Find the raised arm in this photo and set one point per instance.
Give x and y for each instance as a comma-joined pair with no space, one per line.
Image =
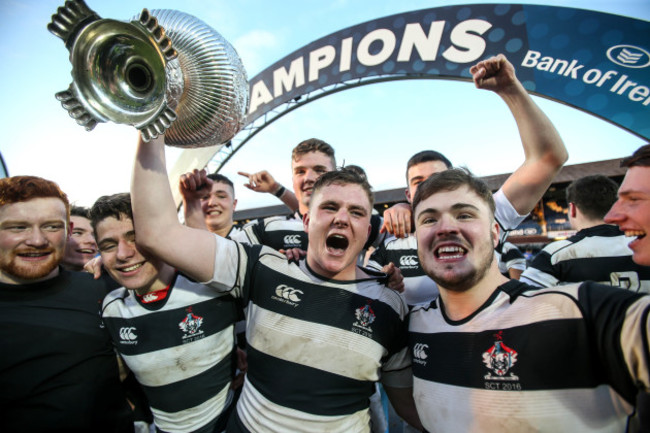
262,181
193,186
157,227
543,147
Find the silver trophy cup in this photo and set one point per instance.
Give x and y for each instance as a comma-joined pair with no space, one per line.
164,72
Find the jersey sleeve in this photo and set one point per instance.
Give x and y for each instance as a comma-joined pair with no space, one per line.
506,215
231,263
541,272
621,328
254,232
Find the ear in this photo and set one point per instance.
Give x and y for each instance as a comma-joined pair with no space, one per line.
495,234
70,227
407,193
305,222
572,210
234,204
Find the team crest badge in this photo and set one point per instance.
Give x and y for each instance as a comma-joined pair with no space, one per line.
191,324
499,359
365,316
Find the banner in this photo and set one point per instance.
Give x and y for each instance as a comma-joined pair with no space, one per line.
593,61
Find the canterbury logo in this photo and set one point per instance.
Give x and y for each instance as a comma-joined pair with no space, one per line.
288,293
419,351
128,333
408,261
292,240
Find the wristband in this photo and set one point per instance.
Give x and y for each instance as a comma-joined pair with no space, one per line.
280,191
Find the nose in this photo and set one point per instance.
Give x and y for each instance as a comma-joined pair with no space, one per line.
125,250
341,218
88,239
311,175
447,224
37,238
614,215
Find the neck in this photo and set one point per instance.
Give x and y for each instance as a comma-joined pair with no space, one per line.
222,231
585,224
164,279
460,305
348,273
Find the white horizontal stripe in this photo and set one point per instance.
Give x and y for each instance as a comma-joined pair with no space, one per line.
193,418
449,409
177,363
316,345
260,415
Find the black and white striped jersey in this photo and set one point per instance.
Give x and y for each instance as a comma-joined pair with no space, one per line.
419,288
180,350
598,253
315,346
562,359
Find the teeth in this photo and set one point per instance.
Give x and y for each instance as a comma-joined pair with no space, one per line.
132,268
33,254
450,250
631,233
87,251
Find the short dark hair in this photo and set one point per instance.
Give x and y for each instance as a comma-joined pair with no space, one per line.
18,189
117,206
594,195
80,211
220,178
313,145
451,180
640,158
426,156
344,176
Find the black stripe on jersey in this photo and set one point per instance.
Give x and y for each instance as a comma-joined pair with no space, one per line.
192,391
605,308
543,352
313,303
154,331
304,388
597,269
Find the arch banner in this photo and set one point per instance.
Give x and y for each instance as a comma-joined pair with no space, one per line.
593,61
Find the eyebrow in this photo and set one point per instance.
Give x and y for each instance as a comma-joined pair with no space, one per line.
455,207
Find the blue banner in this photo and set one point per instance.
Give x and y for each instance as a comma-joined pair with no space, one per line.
593,61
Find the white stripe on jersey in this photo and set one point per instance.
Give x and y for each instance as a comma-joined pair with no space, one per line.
195,358
517,411
269,417
314,344
200,415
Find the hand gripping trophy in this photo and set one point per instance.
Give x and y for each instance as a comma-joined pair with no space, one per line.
163,72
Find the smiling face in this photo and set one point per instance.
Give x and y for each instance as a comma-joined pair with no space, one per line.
338,225
306,169
218,207
81,246
456,235
33,235
122,260
418,173
631,212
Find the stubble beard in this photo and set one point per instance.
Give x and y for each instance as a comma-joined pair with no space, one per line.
26,271
463,281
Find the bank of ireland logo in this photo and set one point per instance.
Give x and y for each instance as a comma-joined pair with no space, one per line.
499,359
420,353
287,295
408,262
291,241
629,56
191,324
128,335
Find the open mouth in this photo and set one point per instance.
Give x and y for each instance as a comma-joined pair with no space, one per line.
449,252
214,212
337,243
34,255
87,251
639,234
131,268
